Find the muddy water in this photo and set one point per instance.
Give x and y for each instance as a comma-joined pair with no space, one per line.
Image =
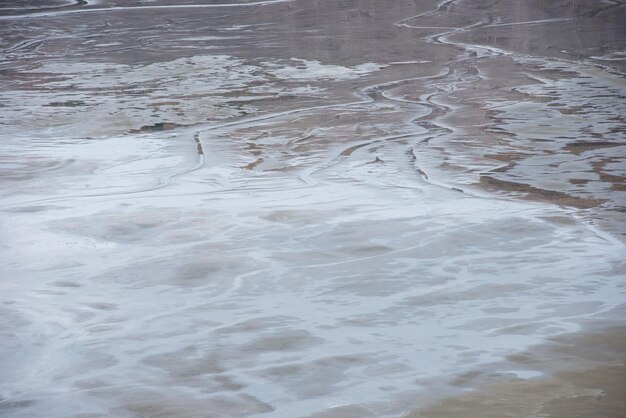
301,208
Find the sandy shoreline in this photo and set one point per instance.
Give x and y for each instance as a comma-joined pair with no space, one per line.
583,375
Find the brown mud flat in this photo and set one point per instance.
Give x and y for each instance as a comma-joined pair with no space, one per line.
251,164
537,194
587,378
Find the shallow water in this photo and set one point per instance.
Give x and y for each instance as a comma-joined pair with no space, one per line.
300,208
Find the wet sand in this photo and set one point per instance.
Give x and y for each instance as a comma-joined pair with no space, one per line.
583,375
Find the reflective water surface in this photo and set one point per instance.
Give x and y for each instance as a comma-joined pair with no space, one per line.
300,207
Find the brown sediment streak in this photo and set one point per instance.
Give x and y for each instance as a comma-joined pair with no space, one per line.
582,146
253,164
157,127
535,193
196,138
